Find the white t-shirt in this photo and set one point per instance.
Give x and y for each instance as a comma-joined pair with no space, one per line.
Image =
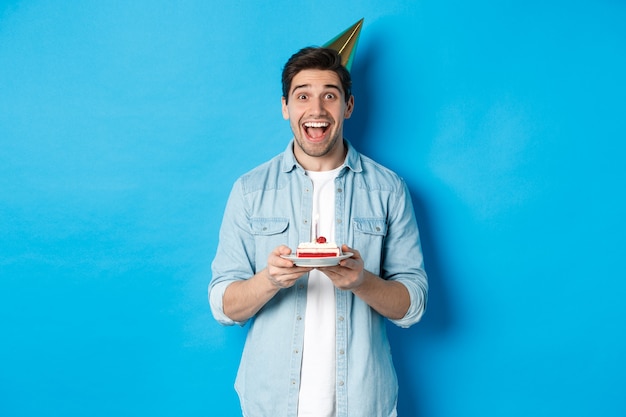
317,386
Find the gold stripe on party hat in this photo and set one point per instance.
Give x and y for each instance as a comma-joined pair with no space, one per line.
345,43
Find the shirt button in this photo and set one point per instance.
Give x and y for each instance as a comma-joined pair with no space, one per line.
338,221
340,318
298,318
341,383
339,190
341,351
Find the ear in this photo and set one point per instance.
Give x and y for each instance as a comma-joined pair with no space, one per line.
285,109
349,108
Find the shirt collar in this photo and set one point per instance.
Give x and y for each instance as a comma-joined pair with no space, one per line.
352,161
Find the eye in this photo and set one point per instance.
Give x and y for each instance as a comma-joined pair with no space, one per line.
329,96
301,97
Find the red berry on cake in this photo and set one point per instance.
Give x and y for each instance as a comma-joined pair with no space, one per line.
321,239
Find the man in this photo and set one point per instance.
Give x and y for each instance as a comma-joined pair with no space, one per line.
317,343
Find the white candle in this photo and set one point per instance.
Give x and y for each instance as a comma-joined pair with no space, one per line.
316,220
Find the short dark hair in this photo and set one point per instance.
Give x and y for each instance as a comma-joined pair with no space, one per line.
316,58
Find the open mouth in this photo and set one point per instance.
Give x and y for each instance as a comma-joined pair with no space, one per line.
316,130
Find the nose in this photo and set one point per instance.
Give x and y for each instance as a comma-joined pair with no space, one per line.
317,107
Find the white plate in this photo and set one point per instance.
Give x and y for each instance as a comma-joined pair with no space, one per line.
317,262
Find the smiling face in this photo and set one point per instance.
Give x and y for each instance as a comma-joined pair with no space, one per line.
316,108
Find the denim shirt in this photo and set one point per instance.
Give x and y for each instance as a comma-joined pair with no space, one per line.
272,205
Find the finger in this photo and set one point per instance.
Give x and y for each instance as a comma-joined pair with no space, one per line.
276,257
301,270
280,262
284,250
281,250
285,277
355,253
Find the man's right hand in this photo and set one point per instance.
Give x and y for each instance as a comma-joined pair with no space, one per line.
244,298
282,272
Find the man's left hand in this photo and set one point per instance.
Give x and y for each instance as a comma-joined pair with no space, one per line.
349,274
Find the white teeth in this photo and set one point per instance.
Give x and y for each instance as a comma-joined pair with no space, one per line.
316,124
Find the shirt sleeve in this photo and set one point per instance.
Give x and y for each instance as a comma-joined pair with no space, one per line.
403,259
233,260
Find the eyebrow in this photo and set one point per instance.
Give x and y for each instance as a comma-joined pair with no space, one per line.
327,86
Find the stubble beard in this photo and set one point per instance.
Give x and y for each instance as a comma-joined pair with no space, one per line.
309,151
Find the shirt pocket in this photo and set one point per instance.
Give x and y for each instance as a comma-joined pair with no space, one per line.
269,233
369,239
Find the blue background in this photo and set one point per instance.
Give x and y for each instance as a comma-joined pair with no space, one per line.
124,124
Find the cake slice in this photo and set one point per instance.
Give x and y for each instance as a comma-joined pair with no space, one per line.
318,249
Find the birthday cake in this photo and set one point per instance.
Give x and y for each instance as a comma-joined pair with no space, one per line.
318,249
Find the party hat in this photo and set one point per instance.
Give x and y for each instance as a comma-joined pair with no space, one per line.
345,43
